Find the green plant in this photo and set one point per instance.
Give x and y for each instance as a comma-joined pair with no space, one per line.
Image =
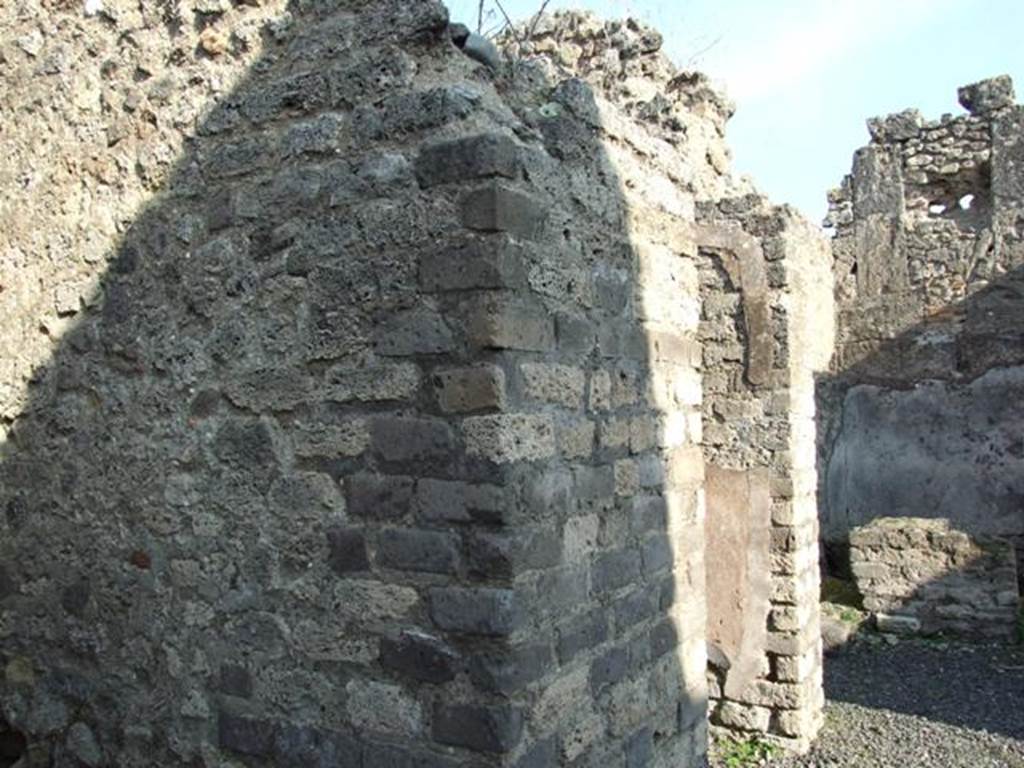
850,615
738,754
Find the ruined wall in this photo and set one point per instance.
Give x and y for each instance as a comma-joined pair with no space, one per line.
766,313
98,108
918,575
366,431
922,414
353,404
766,328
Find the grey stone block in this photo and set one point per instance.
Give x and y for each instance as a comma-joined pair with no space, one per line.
477,611
896,127
235,680
667,591
581,634
547,495
413,112
74,598
412,441
541,755
238,157
81,742
323,135
494,729
298,746
8,586
575,335
507,324
500,208
246,736
461,502
616,339
479,48
418,331
608,669
657,554
591,483
379,497
639,652
412,550
491,262
899,625
664,638
505,555
419,656
273,389
649,515
390,756
299,93
245,444
509,671
472,157
636,607
467,390
639,749
562,590
347,551
614,570
613,292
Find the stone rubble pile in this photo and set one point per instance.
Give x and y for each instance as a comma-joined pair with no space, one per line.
923,576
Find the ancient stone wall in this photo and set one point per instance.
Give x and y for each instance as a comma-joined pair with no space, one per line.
99,107
353,403
766,313
920,576
766,328
368,431
923,412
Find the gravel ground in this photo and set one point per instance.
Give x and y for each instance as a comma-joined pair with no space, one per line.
918,705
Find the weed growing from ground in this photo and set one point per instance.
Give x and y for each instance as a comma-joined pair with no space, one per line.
740,754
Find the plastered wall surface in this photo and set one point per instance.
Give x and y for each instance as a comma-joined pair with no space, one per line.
921,415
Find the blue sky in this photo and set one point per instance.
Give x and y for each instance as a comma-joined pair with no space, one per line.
806,74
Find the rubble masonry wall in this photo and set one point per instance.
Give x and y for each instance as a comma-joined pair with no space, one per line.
352,395
921,415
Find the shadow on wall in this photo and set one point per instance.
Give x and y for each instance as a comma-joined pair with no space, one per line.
318,483
921,576
912,441
929,424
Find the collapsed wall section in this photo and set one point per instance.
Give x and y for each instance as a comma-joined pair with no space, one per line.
922,414
919,575
766,329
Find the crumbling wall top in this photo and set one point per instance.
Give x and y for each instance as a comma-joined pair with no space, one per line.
621,58
623,66
988,95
